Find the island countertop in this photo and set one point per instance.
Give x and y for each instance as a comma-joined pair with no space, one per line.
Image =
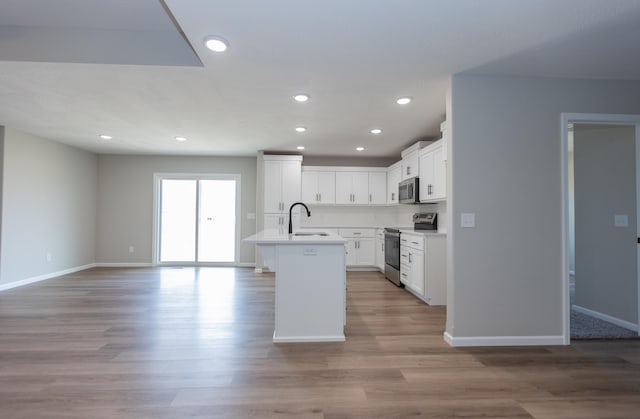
276,236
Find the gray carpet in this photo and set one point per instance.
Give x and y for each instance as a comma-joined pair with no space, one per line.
586,327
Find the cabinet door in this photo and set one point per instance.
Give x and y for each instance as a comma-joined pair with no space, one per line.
393,178
416,261
273,187
274,222
351,252
360,187
366,252
377,187
380,253
439,188
290,183
426,175
326,187
310,193
344,187
435,270
410,165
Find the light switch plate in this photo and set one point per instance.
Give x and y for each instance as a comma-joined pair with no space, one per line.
468,220
621,220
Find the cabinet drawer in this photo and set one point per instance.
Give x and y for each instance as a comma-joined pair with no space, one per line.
357,232
404,255
405,274
415,242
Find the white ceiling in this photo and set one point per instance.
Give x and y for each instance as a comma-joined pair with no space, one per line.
137,69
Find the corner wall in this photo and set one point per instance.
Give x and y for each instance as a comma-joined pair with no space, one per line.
48,208
504,165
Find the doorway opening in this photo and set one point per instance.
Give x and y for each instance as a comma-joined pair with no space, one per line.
601,200
197,219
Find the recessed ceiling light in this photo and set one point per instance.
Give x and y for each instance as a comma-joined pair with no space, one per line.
404,100
301,97
181,139
105,137
360,148
300,147
301,129
376,131
216,44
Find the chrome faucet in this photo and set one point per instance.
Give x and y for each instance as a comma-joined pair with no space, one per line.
291,208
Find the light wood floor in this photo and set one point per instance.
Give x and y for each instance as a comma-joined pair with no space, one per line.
173,343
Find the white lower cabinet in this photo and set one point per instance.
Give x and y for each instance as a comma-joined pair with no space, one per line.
360,246
380,250
422,266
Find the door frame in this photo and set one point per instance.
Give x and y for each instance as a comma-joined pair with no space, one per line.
157,179
589,118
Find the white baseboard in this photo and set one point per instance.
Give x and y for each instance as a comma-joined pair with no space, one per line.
504,340
606,318
124,265
39,278
245,265
285,339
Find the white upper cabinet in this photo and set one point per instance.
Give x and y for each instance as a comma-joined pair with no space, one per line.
393,178
352,187
394,175
318,187
411,165
282,180
433,182
377,188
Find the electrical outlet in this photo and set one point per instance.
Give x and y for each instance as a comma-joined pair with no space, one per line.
132,249
621,220
468,220
49,257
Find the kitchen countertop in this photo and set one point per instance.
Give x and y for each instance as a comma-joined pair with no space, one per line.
422,232
277,236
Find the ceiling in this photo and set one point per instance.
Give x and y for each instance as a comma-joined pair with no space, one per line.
138,70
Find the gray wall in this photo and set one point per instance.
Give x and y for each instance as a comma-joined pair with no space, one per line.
125,201
48,206
605,185
504,165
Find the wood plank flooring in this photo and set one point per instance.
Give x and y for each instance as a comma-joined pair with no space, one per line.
186,342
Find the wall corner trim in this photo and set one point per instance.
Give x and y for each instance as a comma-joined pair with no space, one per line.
504,340
27,281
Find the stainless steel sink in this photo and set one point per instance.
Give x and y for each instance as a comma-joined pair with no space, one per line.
309,234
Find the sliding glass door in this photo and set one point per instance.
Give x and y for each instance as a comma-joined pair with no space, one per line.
197,219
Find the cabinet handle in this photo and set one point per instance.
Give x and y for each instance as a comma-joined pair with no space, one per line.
416,243
370,198
393,196
408,170
357,233
409,257
319,197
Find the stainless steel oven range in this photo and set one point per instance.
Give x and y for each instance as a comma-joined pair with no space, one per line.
392,255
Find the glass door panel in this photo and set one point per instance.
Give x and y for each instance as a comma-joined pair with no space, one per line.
178,220
217,221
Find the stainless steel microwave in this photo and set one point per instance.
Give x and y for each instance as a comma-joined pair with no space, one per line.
408,191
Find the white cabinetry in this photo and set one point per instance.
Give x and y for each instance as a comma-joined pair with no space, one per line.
352,187
377,188
433,182
394,174
318,187
281,183
380,249
410,165
422,266
360,246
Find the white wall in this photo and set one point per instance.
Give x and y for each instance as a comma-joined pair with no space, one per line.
48,206
605,172
504,165
125,201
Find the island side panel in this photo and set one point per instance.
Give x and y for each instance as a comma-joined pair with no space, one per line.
310,287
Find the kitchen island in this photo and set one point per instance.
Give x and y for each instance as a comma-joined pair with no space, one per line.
310,284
